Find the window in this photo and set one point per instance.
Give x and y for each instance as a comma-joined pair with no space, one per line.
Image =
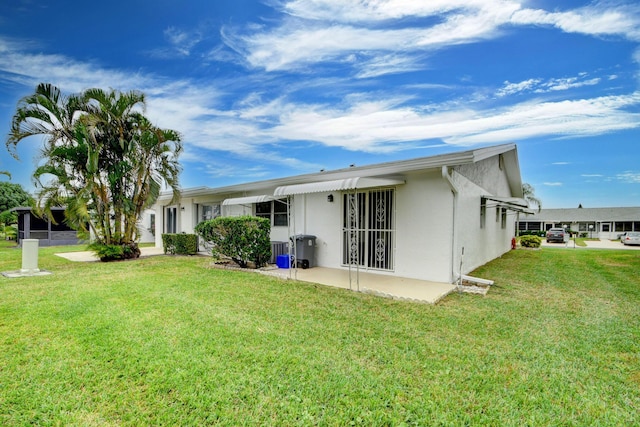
503,222
483,212
623,226
275,211
529,225
171,218
152,223
209,212
605,228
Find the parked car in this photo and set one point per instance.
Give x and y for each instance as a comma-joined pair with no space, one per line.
630,238
556,235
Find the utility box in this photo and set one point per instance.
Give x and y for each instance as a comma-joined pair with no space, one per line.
305,250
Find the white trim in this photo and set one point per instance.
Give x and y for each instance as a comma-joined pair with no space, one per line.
335,185
247,200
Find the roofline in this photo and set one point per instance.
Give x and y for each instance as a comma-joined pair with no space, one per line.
29,208
378,169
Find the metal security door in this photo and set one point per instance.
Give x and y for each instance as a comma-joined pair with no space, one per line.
380,233
368,229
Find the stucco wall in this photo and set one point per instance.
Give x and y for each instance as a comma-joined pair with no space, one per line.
481,244
424,227
488,175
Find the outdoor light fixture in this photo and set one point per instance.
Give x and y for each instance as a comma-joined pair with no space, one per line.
182,208
330,198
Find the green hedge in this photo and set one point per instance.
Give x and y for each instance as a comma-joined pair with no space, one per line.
530,241
532,233
180,244
244,239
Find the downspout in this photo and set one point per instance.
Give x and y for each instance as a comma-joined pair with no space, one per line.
454,191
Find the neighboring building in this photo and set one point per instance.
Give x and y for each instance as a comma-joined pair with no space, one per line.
50,233
56,232
603,223
429,218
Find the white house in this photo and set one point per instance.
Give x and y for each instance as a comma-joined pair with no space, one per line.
429,218
602,223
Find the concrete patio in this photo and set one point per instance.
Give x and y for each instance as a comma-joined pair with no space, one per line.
401,288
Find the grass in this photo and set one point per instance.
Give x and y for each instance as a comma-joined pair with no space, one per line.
170,341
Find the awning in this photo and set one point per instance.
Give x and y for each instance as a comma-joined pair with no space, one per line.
247,200
511,203
335,185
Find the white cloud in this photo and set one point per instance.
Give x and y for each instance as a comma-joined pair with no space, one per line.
629,177
68,74
537,85
388,64
383,10
331,30
598,20
523,86
384,126
552,184
566,84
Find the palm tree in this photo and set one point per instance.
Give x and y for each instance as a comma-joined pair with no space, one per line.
529,194
103,158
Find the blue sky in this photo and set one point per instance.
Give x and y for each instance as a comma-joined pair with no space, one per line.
265,89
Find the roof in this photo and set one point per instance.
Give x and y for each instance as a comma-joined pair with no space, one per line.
586,215
387,170
335,185
22,209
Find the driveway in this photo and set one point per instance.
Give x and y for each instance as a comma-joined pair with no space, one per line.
592,244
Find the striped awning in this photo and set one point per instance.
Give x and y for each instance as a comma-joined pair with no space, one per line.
247,200
335,185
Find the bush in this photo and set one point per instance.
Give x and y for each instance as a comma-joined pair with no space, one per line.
532,233
180,244
244,239
530,241
115,252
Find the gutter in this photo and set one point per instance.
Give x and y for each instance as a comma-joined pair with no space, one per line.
454,191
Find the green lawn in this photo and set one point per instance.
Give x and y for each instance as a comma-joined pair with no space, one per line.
170,341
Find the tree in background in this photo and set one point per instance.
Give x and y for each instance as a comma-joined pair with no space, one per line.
102,159
529,194
11,196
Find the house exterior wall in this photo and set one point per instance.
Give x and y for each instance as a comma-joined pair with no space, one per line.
436,217
481,243
424,226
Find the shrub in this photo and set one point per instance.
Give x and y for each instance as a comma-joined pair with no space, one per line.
530,241
180,244
244,239
115,252
532,233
